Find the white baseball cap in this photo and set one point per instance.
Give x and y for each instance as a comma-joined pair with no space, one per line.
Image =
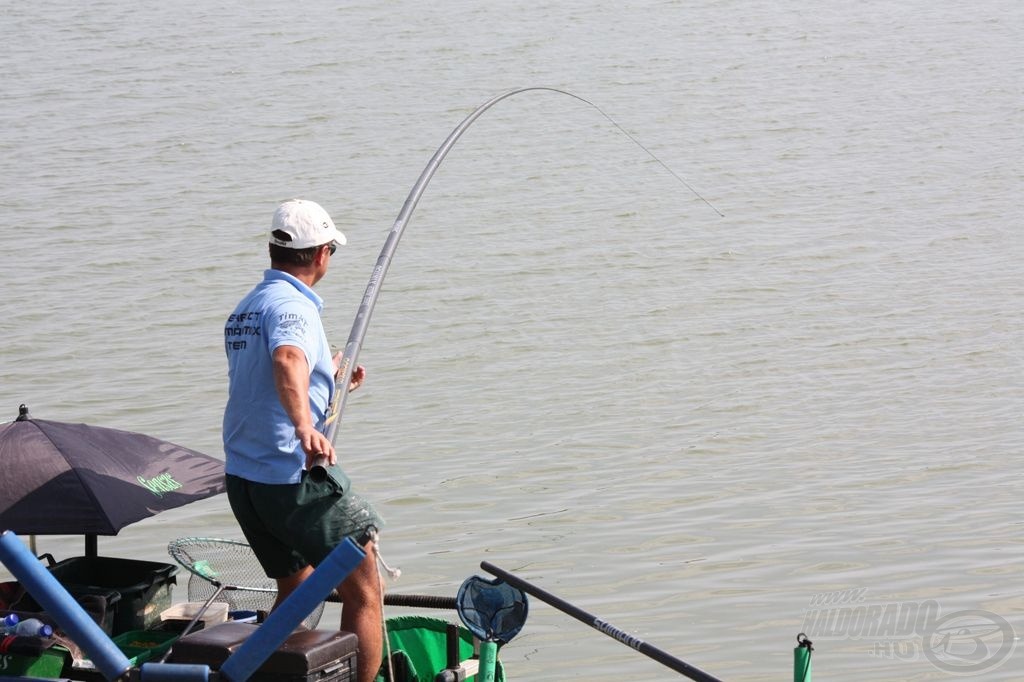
306,223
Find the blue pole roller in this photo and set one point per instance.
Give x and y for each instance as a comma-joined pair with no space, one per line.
62,607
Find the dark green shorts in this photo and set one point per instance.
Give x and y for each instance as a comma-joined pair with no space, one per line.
292,525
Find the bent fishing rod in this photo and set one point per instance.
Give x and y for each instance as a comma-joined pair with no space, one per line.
362,320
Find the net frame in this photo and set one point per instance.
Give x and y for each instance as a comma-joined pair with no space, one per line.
231,568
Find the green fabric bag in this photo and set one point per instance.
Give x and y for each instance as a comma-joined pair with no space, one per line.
422,642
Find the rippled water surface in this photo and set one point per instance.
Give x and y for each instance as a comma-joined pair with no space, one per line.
691,425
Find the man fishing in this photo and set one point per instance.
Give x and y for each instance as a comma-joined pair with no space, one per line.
281,376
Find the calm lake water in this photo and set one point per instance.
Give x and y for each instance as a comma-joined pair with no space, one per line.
694,426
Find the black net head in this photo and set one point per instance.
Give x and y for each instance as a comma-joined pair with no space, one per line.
491,609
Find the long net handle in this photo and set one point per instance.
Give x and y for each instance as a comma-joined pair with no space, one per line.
416,601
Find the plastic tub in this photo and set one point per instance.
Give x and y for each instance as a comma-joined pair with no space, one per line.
49,664
216,612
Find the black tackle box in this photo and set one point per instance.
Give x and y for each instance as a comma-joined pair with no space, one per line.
142,588
306,656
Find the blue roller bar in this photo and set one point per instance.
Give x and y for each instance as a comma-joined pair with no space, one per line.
56,601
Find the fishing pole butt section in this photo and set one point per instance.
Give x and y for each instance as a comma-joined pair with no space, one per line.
318,472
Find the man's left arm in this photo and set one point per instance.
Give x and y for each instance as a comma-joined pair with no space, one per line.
358,374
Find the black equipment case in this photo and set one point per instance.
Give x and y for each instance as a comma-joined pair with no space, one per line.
306,656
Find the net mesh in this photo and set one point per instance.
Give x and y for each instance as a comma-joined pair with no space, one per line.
215,562
491,609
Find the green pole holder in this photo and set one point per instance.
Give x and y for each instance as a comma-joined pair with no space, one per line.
802,659
488,661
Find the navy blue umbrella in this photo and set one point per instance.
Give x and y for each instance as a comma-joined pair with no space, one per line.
69,479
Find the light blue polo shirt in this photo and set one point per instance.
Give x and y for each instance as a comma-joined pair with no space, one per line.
259,438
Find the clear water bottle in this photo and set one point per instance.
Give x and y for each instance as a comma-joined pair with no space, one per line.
33,627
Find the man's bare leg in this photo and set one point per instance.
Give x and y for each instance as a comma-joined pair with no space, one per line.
287,585
361,613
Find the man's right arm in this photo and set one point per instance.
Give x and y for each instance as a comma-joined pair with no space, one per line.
291,379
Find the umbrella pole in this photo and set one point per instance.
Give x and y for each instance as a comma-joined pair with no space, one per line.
91,546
